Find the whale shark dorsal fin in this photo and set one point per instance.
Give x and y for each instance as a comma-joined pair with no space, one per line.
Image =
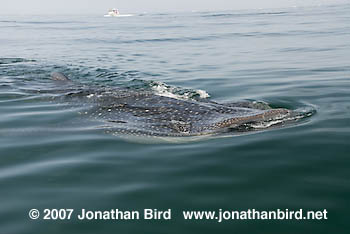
59,76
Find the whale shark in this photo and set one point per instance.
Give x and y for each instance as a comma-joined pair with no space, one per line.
144,113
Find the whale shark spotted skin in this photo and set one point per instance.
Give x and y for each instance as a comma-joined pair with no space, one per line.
143,113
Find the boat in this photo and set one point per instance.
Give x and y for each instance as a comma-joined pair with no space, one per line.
115,13
112,13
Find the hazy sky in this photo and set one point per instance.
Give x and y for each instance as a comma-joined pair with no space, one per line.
134,6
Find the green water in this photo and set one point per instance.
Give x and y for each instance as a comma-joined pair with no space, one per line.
53,158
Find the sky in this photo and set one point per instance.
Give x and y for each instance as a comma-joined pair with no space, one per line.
139,6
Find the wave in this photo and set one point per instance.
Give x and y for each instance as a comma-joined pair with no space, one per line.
230,15
15,60
118,16
163,89
132,80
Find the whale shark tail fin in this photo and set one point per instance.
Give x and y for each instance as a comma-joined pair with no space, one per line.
59,76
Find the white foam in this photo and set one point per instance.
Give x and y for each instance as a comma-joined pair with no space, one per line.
124,15
202,93
162,89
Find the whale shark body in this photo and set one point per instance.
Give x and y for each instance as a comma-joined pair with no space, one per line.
144,113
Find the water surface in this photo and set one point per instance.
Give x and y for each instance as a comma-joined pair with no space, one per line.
51,157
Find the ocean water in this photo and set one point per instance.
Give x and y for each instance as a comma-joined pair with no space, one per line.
53,158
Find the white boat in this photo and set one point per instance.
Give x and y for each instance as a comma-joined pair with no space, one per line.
115,13
112,12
